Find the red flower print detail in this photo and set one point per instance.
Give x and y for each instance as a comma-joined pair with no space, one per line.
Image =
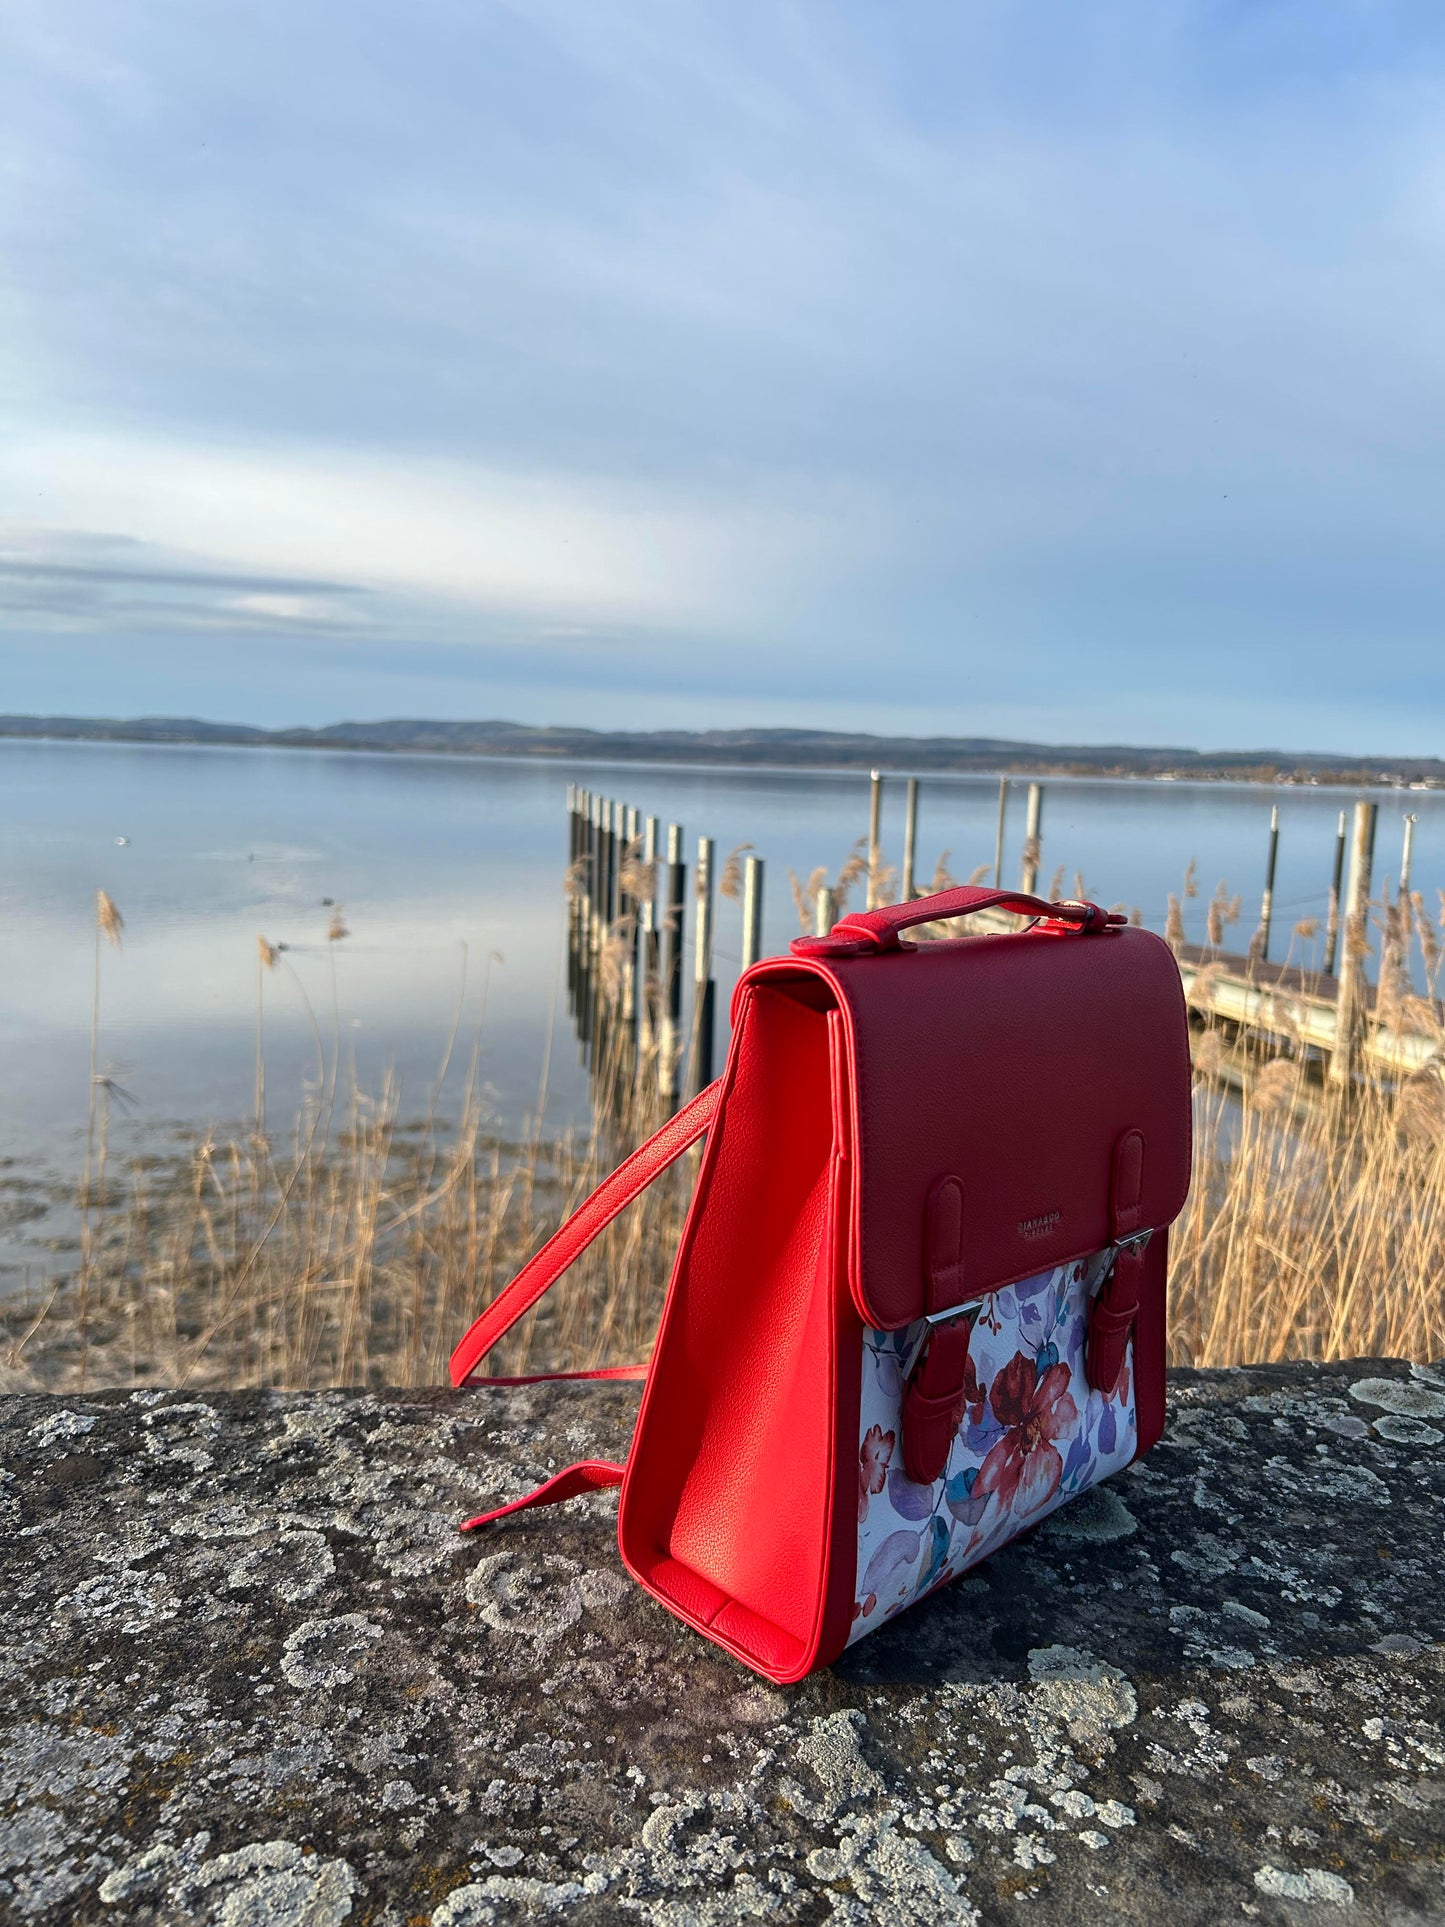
873,1457
1023,1468
975,1396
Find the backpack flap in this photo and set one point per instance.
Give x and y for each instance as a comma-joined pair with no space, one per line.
1014,1102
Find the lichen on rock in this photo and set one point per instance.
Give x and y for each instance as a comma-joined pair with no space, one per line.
253,1677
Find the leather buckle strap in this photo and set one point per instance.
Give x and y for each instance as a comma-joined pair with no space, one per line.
1113,1313
935,1394
1119,1268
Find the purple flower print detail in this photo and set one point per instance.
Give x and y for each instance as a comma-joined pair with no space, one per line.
1080,1457
896,1554
890,1376
981,1434
1032,1287
908,1500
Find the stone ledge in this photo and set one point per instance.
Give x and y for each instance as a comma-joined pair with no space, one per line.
252,1675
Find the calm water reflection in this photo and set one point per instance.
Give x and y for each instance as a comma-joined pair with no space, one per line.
449,872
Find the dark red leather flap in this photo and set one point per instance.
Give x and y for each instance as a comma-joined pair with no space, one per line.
993,1081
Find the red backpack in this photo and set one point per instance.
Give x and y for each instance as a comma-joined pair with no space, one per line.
919,1299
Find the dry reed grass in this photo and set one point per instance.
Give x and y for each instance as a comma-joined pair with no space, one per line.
1315,1225
353,1259
358,1252
1314,1229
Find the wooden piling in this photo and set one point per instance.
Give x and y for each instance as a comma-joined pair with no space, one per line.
823,915
910,841
1407,855
572,801
1332,920
591,936
752,911
1033,841
1350,1006
594,871
998,840
612,828
704,990
647,1013
669,1056
628,908
875,836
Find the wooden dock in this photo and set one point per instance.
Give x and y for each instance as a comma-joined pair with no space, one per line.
1288,1010
630,932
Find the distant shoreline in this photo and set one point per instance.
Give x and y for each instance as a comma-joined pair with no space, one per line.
757,748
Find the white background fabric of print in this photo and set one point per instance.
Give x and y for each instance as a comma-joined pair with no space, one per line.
1033,1435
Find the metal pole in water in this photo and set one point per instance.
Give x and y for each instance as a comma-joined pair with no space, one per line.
875,852
910,841
1033,840
1266,905
998,840
752,911
1350,1005
1332,922
1407,856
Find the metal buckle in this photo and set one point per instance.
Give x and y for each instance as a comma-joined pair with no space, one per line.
932,1321
1094,1280
1097,1276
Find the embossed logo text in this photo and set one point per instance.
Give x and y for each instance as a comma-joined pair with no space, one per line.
1039,1227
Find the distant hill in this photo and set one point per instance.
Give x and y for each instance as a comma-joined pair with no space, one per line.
789,748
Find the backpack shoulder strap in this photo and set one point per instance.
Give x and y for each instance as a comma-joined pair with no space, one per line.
614,1194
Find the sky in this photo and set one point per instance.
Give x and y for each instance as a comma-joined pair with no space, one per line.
1071,370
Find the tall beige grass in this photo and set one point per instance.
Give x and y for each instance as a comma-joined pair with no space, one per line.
356,1247
1315,1228
356,1261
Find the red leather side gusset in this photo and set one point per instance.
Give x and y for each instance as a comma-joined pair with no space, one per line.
727,1508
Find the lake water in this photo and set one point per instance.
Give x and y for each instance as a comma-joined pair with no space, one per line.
449,872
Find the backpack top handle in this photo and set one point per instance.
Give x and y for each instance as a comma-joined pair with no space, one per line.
866,932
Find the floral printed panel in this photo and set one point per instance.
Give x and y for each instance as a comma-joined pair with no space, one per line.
1033,1434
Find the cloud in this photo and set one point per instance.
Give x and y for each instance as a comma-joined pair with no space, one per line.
1043,358
77,579
437,535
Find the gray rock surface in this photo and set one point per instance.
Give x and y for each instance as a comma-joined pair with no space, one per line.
252,1676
